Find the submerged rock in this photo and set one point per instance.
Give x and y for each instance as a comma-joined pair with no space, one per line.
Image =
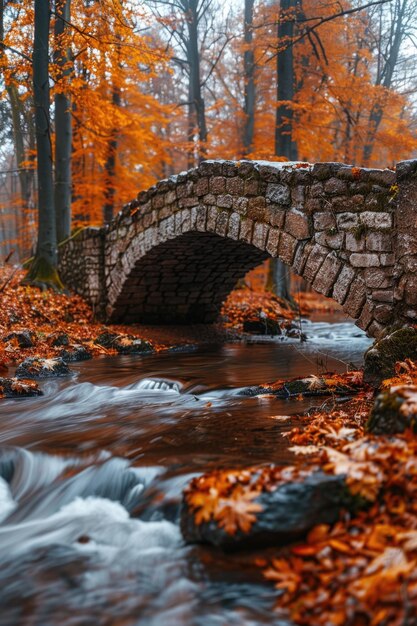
279,513
35,367
24,338
17,388
323,385
381,357
75,352
124,344
394,411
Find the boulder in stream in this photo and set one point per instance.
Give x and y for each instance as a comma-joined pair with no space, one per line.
124,344
381,357
259,507
17,388
36,367
394,411
75,352
23,338
322,385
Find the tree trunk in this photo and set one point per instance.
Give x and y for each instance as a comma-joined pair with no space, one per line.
110,167
384,78
284,144
249,78
195,77
279,277
43,270
63,123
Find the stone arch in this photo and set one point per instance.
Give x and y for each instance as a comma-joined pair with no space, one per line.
333,224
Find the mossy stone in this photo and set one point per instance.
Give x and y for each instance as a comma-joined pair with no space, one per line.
381,357
386,417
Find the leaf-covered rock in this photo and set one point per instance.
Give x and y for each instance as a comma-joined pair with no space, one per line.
35,367
323,385
381,357
123,344
22,338
17,388
394,411
261,506
75,352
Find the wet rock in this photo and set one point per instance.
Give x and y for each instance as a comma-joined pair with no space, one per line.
265,326
394,411
35,367
16,388
58,339
324,385
24,338
124,344
287,512
75,352
381,357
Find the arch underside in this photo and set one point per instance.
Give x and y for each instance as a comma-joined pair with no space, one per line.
184,280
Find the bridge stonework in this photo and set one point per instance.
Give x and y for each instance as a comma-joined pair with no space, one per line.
174,253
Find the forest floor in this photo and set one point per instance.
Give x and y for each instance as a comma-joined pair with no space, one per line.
47,316
360,571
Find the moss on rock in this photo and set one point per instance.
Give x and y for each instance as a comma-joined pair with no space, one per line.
381,357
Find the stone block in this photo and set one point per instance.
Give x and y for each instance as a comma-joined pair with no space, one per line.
235,186
324,220
286,248
314,262
346,221
240,205
378,220
217,185
256,208
335,187
251,187
354,244
201,187
273,241
278,194
378,278
234,226
246,226
366,316
379,242
366,259
355,299
343,283
327,274
224,201
383,295
260,234
297,224
275,215
222,222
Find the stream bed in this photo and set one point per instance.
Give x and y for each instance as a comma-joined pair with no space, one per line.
91,476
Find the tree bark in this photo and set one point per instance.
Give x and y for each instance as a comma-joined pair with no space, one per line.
385,77
195,77
43,270
110,166
284,144
249,78
63,123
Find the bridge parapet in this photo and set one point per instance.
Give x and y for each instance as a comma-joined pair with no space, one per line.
176,251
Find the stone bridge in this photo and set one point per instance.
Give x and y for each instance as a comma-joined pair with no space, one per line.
174,253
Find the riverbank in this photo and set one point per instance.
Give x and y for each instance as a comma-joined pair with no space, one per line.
51,321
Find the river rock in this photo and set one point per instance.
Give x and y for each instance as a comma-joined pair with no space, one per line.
124,344
58,339
265,326
75,352
323,385
35,367
16,388
381,357
287,512
24,338
394,411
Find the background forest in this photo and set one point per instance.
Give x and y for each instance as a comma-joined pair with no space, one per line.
140,90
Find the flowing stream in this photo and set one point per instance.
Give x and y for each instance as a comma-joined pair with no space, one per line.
91,476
